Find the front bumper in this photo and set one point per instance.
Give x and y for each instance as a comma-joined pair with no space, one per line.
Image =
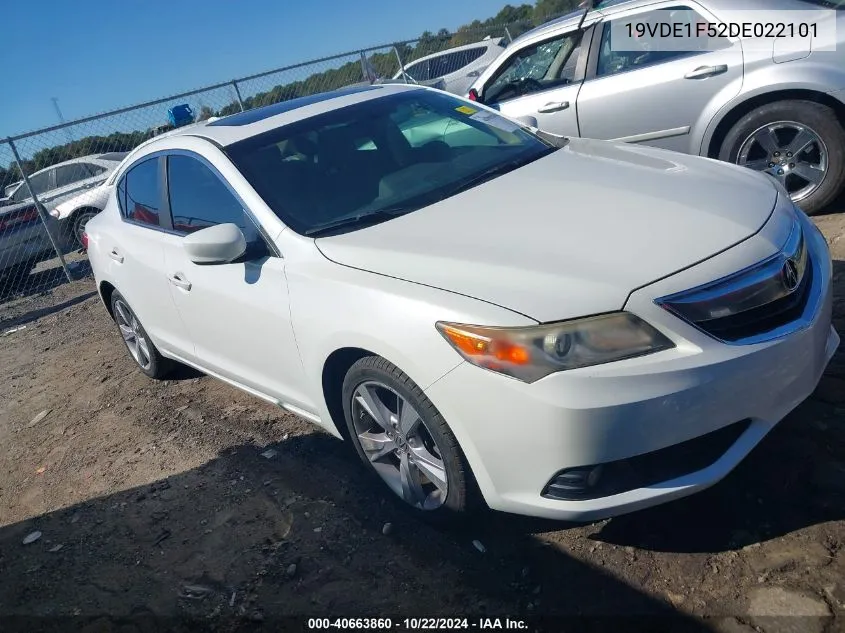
517,436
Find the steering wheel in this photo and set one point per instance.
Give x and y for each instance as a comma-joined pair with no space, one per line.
528,84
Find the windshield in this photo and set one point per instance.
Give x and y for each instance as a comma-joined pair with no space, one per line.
369,162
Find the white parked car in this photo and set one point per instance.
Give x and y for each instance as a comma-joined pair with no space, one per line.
564,328
453,70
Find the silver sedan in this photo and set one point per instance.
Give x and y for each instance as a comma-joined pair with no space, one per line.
774,105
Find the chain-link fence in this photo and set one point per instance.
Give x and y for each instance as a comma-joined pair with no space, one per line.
49,179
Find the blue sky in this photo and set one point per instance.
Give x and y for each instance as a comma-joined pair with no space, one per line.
103,54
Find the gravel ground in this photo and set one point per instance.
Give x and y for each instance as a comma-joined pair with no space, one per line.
191,501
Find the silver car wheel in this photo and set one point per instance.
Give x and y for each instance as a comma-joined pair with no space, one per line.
130,329
399,446
791,152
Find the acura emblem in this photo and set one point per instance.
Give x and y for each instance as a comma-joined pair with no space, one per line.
790,275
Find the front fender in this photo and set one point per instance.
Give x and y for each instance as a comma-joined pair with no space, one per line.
335,307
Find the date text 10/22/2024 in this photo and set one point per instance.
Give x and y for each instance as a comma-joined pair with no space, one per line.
416,624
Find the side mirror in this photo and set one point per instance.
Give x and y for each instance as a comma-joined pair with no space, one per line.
218,244
474,96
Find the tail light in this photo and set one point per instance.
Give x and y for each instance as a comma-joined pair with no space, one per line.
17,218
84,241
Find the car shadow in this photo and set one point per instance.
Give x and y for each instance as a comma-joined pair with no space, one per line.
295,528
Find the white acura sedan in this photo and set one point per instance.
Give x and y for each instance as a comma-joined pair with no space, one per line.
564,328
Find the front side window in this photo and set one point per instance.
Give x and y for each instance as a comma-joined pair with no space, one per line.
199,199
536,68
39,182
140,193
426,146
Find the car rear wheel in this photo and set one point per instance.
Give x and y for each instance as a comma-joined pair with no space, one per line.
402,438
800,143
140,346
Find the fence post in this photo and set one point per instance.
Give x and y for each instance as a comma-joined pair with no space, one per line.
238,94
401,65
508,33
42,212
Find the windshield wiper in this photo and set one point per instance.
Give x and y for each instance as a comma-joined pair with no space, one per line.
360,220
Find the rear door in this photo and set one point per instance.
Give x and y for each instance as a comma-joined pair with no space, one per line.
135,255
542,80
653,91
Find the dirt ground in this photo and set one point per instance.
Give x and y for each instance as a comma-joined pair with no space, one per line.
159,503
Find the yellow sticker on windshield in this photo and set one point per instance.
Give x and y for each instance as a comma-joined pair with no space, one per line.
466,109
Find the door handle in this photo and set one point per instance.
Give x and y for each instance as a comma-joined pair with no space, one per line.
179,281
702,72
553,106
116,256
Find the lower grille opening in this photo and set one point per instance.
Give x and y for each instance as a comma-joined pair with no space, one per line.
603,480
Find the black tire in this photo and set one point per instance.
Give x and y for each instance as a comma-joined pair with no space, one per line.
79,223
159,366
462,497
821,119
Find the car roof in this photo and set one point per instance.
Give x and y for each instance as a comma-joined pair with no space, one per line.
242,125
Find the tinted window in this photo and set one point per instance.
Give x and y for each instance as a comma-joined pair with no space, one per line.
140,193
323,172
39,183
536,68
634,52
418,71
199,199
69,174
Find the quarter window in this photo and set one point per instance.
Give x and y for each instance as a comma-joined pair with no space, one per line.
536,68
199,199
140,193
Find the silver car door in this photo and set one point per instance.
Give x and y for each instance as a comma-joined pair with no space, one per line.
542,80
656,95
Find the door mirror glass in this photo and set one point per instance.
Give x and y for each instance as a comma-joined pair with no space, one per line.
219,244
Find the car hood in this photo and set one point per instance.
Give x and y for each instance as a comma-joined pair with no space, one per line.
571,234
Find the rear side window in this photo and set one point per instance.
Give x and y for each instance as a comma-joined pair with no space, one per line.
69,174
199,199
140,193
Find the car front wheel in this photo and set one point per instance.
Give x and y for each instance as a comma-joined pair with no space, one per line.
800,143
402,438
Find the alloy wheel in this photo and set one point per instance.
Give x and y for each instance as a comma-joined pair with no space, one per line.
132,334
791,152
399,445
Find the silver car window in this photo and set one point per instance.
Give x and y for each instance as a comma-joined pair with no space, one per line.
536,68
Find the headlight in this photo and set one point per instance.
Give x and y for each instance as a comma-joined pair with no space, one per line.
54,212
530,353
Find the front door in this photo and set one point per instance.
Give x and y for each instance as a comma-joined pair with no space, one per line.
541,80
237,314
